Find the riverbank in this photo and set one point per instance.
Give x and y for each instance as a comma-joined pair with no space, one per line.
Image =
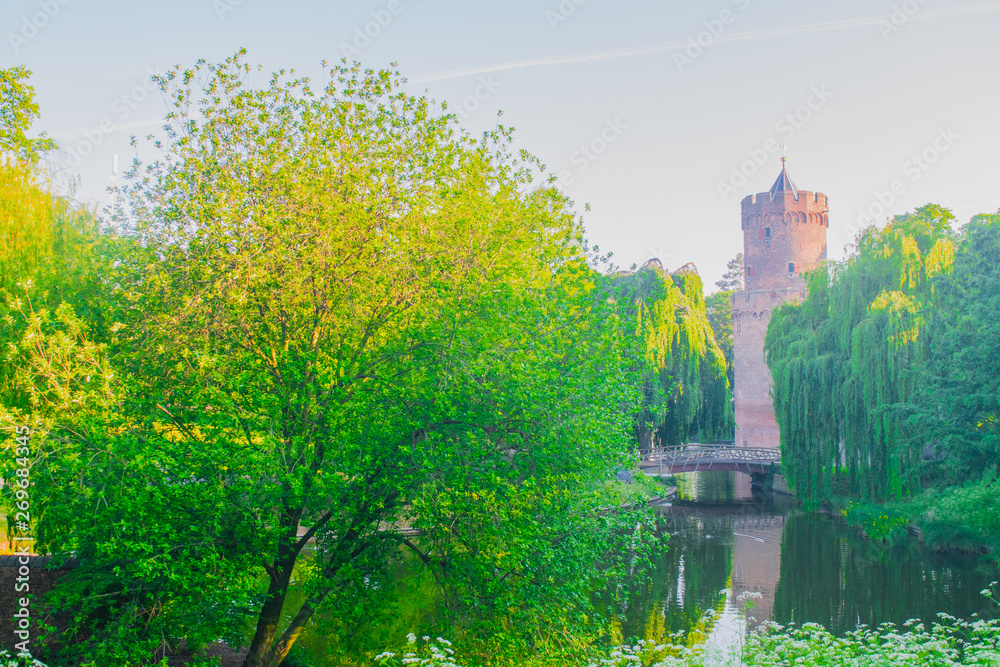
960,519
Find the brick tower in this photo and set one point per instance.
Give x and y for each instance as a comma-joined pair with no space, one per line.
784,234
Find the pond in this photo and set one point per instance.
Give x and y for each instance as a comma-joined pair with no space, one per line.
727,540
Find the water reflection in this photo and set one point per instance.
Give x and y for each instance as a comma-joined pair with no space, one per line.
686,581
834,577
803,566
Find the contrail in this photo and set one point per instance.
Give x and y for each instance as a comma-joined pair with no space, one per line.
633,53
677,46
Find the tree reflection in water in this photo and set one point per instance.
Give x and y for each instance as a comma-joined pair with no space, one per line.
833,576
806,567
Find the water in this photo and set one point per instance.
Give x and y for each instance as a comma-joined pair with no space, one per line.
727,541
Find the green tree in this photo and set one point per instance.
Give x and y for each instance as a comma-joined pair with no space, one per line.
958,409
46,243
732,279
18,110
846,361
719,313
344,324
685,388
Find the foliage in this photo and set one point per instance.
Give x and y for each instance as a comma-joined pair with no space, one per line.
18,110
719,312
686,394
47,284
732,279
879,523
846,362
972,504
46,241
958,405
18,660
885,377
329,317
952,642
961,516
337,321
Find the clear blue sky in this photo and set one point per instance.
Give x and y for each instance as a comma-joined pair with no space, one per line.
666,120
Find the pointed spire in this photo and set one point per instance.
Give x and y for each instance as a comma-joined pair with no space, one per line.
784,182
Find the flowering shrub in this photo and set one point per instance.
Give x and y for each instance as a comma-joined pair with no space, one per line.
954,642
951,643
18,660
423,654
877,522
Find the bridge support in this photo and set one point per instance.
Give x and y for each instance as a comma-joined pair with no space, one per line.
763,480
771,481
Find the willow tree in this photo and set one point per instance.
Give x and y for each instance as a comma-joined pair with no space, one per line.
341,323
845,361
685,386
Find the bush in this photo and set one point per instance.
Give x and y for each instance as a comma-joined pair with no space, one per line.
879,523
973,505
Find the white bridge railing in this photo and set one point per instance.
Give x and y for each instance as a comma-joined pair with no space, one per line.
705,457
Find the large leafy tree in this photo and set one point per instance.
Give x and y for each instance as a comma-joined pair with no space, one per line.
343,327
46,259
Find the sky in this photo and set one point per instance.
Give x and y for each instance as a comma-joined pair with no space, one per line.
657,118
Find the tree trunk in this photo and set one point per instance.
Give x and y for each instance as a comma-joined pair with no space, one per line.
270,613
281,648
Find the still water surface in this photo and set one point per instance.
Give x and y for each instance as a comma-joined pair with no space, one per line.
726,540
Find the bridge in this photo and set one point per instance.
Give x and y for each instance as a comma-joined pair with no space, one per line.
702,458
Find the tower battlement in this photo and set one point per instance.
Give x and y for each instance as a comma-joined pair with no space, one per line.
800,195
784,234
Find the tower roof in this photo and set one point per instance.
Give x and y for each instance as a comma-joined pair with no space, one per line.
784,183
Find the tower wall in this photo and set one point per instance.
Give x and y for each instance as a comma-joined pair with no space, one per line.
751,313
778,231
